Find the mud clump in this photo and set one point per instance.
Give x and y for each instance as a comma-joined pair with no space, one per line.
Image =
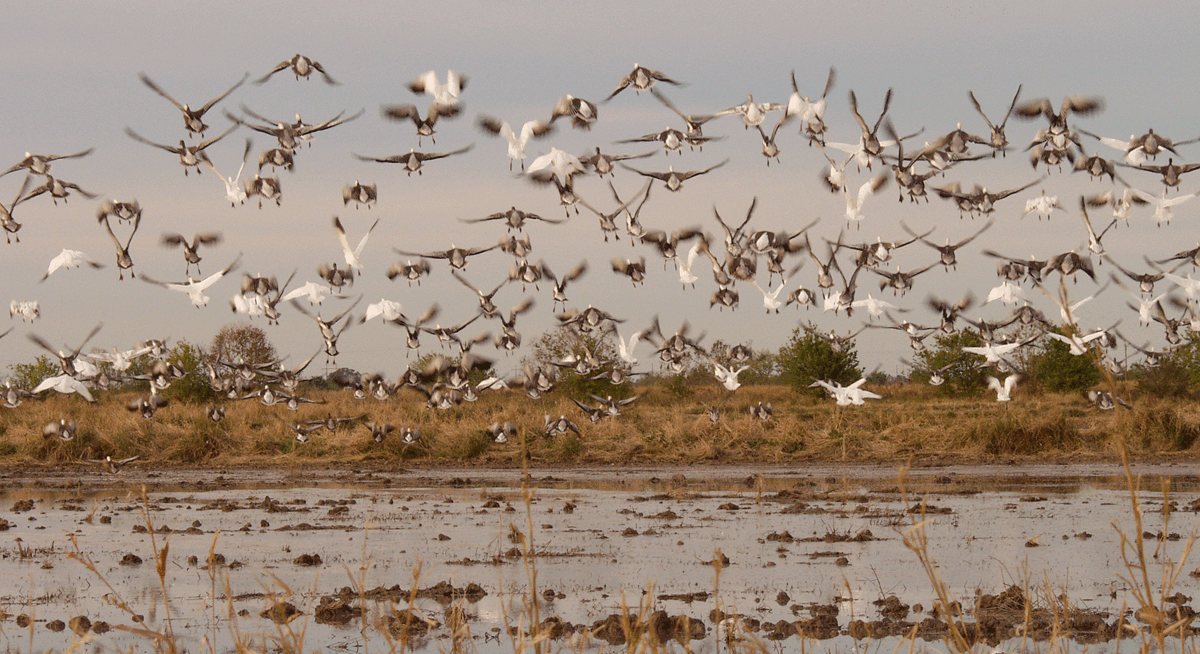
281,612
22,506
56,625
616,629
308,560
337,611
131,559
80,625
407,624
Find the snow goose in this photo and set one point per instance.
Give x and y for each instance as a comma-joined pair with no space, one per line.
1003,390
233,185
195,288
352,255
27,309
516,141
854,203
301,66
65,384
193,119
403,112
1162,205
446,94
1043,205
753,113
1121,205
811,112
68,259
315,293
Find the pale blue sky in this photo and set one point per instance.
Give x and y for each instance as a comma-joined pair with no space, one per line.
72,84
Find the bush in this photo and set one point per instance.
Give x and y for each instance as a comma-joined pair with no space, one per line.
26,376
807,357
1053,368
556,344
965,374
244,342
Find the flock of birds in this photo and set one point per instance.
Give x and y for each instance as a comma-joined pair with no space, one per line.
730,252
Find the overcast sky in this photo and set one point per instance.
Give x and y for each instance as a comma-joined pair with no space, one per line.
71,83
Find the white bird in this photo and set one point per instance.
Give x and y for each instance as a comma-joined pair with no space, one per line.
233,185
625,347
352,256
728,376
1078,342
875,307
1003,391
1163,205
556,164
64,384
753,113
994,352
1043,204
1190,286
27,309
854,203
516,142
316,293
69,259
442,93
387,308
1007,293
684,266
847,395
195,289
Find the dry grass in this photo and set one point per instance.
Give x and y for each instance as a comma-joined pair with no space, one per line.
911,420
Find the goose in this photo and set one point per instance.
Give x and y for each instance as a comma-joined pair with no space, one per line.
1043,204
190,156
1095,246
233,186
486,306
1003,390
811,112
266,188
457,257
846,395
833,176
114,465
1077,342
516,142
874,306
65,384
58,190
513,218
290,135
66,361
193,119
315,293
11,226
998,139
949,311
412,272
414,161
379,431
326,326
1121,205
802,296
191,252
352,255
501,432
559,284
1069,263
68,259
403,112
771,301
603,164
560,426
1162,205
672,179
63,429
594,414
301,66
27,309
1191,287
147,406
124,261
39,164
770,149
195,288
980,200
1171,172
582,112
253,303
446,94
694,136
671,138
122,211
762,411
334,276
611,407
753,113
684,266
634,270
277,158
215,413
360,194
993,352
854,204
302,430
1006,292
556,165
900,281
642,79
869,146
414,329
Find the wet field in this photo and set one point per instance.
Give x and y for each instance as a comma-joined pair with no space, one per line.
811,557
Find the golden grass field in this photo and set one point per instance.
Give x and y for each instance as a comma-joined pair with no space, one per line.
912,421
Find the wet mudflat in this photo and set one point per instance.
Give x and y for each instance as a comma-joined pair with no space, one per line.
809,557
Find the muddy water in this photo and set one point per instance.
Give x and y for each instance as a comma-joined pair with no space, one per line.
799,543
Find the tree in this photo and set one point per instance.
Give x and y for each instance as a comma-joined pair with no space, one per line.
245,342
26,376
555,345
964,372
807,357
762,368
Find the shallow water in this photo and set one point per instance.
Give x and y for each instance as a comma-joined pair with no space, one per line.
603,537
